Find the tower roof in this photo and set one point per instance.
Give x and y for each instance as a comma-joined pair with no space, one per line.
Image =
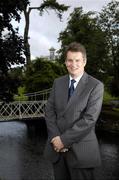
52,49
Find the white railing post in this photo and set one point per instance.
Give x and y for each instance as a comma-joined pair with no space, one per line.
20,116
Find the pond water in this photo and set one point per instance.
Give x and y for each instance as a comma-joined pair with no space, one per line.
21,153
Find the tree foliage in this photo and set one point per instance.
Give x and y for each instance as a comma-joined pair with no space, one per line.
82,27
109,23
11,44
41,74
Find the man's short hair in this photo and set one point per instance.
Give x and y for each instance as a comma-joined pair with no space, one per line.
76,47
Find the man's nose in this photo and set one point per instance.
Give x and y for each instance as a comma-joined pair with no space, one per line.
73,63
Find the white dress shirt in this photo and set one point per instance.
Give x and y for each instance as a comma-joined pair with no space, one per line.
76,79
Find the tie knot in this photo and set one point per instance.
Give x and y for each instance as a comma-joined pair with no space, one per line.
73,81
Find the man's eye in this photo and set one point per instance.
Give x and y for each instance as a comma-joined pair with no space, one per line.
69,60
78,60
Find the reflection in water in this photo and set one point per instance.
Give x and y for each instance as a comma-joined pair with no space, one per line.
21,155
109,145
11,135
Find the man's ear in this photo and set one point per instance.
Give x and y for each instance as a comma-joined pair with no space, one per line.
84,63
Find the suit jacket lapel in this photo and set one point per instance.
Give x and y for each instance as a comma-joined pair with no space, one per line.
65,87
78,91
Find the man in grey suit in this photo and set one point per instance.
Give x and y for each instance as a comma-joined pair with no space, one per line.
71,114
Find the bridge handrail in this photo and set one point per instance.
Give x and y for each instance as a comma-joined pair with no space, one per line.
38,95
38,92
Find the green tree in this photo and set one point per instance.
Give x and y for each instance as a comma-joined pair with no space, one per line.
83,27
41,74
46,5
11,44
109,23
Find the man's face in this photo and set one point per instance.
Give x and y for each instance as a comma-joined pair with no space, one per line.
75,63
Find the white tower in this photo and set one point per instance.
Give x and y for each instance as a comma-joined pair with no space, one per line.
52,53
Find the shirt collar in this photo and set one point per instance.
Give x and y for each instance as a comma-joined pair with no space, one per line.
76,79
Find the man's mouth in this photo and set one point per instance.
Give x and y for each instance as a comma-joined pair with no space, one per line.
73,69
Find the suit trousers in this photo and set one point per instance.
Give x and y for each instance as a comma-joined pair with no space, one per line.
63,172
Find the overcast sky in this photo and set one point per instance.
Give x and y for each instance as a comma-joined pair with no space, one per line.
44,30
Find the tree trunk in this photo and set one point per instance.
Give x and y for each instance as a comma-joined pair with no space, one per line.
26,43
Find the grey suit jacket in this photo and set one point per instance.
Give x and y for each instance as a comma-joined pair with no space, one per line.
74,120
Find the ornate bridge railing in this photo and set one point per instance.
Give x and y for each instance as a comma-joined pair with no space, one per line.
25,109
22,110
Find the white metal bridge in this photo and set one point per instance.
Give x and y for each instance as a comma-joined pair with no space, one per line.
32,108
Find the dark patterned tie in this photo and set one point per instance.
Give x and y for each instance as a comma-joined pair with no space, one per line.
71,89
